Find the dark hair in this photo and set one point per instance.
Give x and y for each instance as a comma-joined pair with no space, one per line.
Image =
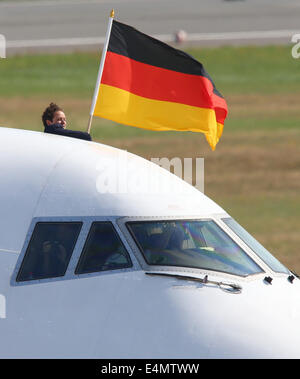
49,112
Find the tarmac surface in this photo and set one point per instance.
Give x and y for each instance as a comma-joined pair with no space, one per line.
48,25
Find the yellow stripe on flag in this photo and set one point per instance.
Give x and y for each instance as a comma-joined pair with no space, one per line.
126,108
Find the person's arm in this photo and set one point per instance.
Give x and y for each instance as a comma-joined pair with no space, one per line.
58,129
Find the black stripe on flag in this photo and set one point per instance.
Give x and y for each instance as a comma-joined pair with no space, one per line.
126,40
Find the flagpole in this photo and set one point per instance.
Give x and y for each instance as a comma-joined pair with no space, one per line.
110,21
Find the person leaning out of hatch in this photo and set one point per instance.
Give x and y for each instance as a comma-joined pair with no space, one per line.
54,120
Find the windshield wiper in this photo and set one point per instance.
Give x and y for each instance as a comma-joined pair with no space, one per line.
227,287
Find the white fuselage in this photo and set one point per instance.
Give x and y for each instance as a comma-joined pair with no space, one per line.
124,313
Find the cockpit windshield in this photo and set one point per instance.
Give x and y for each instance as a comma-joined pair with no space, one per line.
191,243
262,252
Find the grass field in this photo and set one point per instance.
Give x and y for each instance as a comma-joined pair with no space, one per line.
254,173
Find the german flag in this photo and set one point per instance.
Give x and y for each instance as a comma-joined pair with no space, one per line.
149,84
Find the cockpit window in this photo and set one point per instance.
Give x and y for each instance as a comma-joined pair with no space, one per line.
103,250
49,251
254,245
191,243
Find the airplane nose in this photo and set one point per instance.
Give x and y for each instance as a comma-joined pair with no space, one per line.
261,322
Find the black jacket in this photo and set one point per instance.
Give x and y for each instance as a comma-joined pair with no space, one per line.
58,129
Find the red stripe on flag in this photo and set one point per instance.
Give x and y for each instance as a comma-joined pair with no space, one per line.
161,84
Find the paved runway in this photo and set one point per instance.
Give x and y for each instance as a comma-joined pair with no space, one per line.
73,24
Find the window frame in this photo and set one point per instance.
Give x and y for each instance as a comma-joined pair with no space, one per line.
81,257
31,238
258,258
216,217
155,267
78,248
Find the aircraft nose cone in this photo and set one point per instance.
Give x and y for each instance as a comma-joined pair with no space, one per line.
261,322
